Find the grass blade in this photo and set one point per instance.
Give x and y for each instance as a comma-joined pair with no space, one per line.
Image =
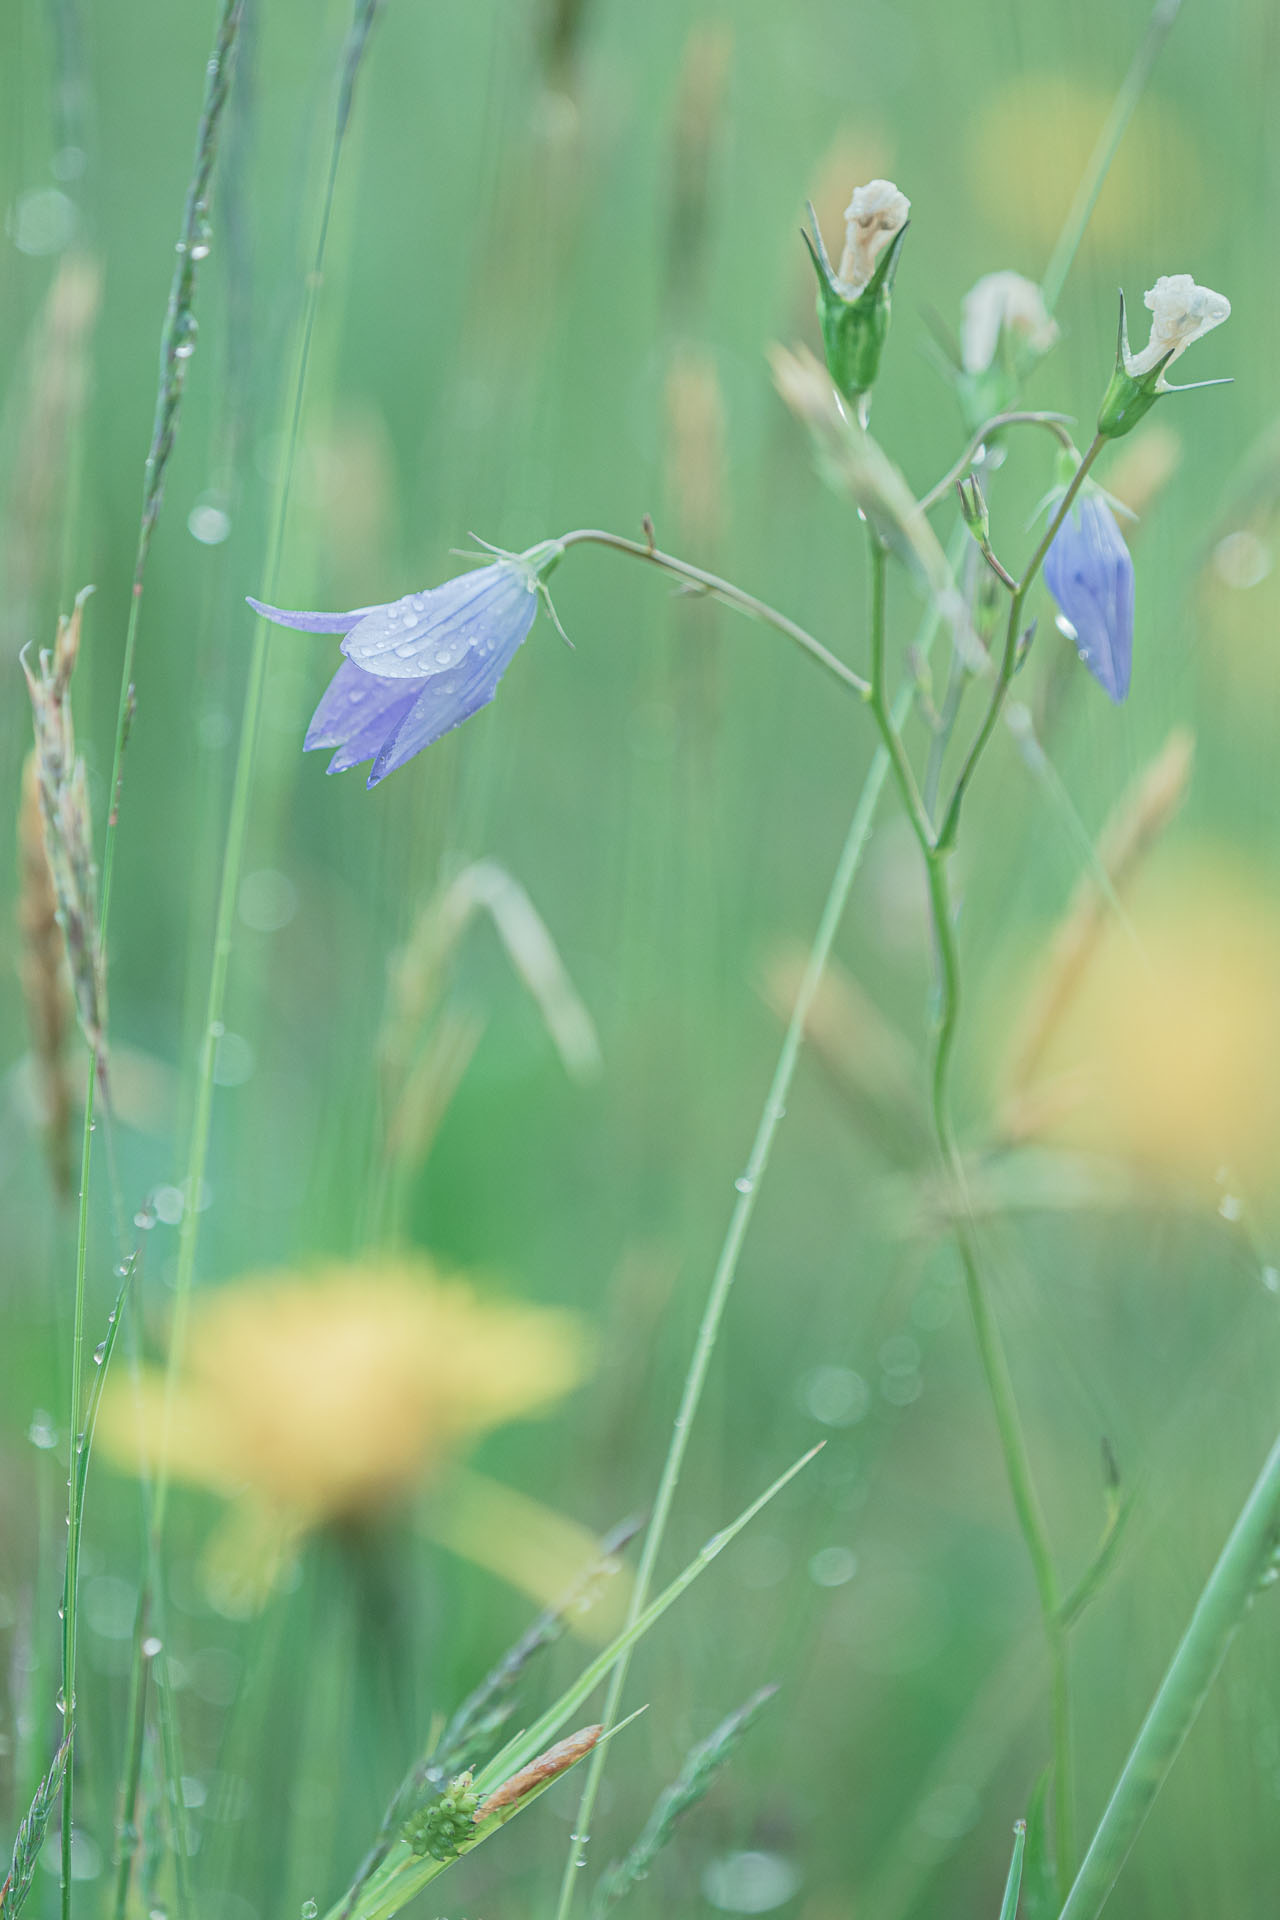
1013,1885
404,1874
1244,1561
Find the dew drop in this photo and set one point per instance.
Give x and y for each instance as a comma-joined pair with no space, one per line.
744,1183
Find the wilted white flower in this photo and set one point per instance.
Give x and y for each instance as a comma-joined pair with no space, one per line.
1003,303
875,213
1180,313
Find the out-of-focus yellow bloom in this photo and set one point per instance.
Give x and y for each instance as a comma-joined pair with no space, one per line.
1169,1053
325,1397
1032,143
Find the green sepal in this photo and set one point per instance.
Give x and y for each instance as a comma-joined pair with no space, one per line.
853,331
1126,400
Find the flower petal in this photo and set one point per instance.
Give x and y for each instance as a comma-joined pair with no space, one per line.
310,622
1089,572
447,699
429,633
358,711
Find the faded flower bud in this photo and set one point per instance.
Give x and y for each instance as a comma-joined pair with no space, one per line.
1004,315
1005,327
853,303
1181,312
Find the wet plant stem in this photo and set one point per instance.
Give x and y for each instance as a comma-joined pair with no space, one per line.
700,581
748,1185
946,835
991,1353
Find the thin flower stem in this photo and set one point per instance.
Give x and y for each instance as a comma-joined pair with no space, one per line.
995,1365
1055,422
724,590
878,698
71,1572
1130,92
748,1187
1245,1563
1009,662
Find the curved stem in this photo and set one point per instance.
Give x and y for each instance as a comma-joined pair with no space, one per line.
1009,662
724,590
1055,422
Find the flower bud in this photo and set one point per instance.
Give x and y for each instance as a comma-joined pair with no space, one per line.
1181,312
973,508
853,304
1005,327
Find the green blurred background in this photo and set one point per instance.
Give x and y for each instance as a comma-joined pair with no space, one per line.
562,243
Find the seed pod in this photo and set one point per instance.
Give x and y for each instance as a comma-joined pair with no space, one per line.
557,1759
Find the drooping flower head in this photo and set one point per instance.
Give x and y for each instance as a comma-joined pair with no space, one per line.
419,666
1089,572
853,304
1181,312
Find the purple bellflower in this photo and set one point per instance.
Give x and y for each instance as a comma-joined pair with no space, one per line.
1090,574
421,665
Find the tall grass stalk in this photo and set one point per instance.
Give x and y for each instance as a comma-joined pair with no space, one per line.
1127,97
242,780
1246,1564
176,346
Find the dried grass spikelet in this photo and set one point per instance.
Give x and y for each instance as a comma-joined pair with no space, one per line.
63,795
425,1044
540,1772
1132,830
1172,1036
53,387
696,466
42,970
855,465
697,123
871,1064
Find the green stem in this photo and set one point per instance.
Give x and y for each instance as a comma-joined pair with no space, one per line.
995,1365
1244,1563
1055,422
1086,199
725,590
1009,661
71,1572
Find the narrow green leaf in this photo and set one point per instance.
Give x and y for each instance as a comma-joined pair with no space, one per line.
1040,1887
1013,1885
403,1874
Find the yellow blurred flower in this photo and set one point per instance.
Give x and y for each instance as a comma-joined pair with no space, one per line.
1168,1055
1031,146
324,1397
